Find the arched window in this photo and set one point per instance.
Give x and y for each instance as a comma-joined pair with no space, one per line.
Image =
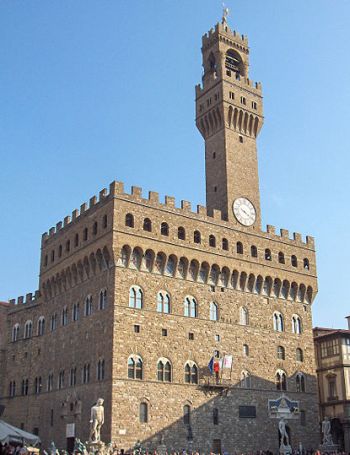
225,244
28,329
15,332
245,350
76,240
102,303
281,353
281,259
164,370
197,237
73,377
25,387
60,251
101,370
278,324
190,307
296,324
143,412
268,256
164,229
86,373
105,221
50,382
243,316
135,297
125,255
213,311
163,302
12,389
68,245
94,228
212,241
245,382
239,248
147,225
170,266
181,233
64,319
300,382
254,251
135,367
306,264
88,305
41,326
53,322
38,385
281,380
191,373
299,355
129,220
294,261
187,414
85,234
75,312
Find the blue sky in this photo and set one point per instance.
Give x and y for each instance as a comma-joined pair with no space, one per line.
93,91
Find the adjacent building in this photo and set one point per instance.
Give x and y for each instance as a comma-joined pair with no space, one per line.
137,295
332,349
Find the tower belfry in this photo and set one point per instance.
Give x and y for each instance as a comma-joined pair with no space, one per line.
229,115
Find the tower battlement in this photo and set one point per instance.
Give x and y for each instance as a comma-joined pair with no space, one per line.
238,40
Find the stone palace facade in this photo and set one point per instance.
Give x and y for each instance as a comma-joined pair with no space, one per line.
137,295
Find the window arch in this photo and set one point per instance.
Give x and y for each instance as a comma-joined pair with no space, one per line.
164,229
164,370
88,305
299,355
245,350
191,373
85,234
243,316
129,220
41,326
171,265
281,259
281,353
281,380
197,237
75,312
135,367
101,370
245,382
53,322
190,307
306,264
143,412
147,225
105,221
294,261
15,332
181,233
212,240
300,382
28,329
163,302
268,256
278,324
254,251
64,319
239,247
214,313
136,297
296,324
225,244
94,228
102,303
76,240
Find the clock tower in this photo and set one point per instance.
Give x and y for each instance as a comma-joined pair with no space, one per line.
229,115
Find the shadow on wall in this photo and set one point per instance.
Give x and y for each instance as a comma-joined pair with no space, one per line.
236,417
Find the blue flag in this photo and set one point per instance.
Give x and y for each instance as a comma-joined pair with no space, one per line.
211,365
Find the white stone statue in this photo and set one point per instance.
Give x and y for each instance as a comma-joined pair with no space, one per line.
225,13
326,430
97,420
284,441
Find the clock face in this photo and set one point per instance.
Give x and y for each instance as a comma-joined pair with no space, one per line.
244,211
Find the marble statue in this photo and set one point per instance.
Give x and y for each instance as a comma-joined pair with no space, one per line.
283,432
52,449
225,13
326,430
97,420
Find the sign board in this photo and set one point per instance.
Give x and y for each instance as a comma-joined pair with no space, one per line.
70,430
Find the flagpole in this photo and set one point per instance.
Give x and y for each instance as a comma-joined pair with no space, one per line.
222,366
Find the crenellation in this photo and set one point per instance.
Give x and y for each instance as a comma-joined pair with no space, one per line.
102,194
186,206
52,231
170,201
271,229
201,210
285,234
92,201
153,197
83,208
217,215
12,302
58,226
75,214
66,221
297,237
310,241
29,298
20,300
116,188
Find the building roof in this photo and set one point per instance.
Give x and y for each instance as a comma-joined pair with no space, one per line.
324,332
